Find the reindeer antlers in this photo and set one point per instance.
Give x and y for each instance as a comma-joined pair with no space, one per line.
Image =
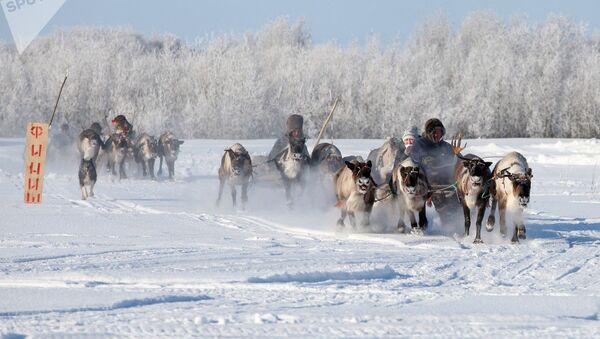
456,143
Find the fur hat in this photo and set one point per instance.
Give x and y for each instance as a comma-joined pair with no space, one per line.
119,119
295,121
431,125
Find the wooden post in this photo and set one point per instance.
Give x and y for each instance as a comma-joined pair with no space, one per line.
58,99
327,121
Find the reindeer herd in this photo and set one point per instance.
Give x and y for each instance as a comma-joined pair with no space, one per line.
357,186
117,151
506,186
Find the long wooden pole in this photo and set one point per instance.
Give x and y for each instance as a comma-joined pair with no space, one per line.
327,121
58,99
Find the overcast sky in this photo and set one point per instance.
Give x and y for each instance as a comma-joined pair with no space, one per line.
338,20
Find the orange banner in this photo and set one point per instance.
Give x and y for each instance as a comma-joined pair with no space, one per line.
35,159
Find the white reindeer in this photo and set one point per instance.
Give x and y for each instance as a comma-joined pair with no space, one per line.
235,169
411,189
512,185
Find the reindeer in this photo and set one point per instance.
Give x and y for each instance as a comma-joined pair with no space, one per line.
145,151
510,190
168,148
473,178
355,191
117,149
326,159
411,188
89,144
236,169
87,178
292,163
384,158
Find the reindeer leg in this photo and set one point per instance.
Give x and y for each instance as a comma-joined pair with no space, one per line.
515,238
352,218
122,174
502,211
366,220
233,195
288,191
244,195
401,223
160,165
480,213
413,219
221,185
520,227
521,231
144,171
340,221
492,218
171,165
151,168
467,214
423,218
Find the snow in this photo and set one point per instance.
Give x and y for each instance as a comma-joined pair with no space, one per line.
158,258
312,277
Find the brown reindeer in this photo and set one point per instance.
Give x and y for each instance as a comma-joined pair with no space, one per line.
411,188
145,153
512,185
473,179
236,169
326,159
117,149
384,158
168,148
355,191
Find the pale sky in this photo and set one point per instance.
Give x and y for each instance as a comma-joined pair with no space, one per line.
334,20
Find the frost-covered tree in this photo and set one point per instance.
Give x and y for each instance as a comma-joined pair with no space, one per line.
485,77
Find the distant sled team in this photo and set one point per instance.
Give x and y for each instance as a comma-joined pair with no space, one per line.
117,150
413,173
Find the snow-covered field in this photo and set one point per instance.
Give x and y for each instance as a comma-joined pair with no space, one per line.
149,259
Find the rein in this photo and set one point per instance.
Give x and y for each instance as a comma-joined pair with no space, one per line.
486,188
389,193
445,188
263,163
274,158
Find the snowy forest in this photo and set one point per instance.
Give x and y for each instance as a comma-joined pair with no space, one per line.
486,77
